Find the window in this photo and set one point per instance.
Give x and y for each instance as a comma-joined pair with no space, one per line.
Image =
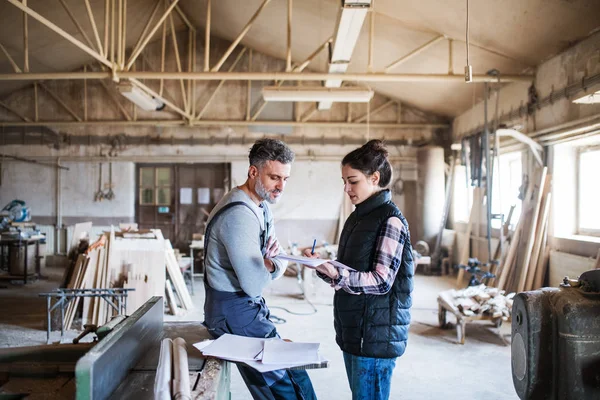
462,196
588,218
155,186
507,180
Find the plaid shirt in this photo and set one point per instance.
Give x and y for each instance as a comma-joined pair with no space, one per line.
388,257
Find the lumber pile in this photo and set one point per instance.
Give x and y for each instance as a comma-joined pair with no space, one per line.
142,260
481,300
524,266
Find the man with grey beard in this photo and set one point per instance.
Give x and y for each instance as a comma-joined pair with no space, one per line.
240,246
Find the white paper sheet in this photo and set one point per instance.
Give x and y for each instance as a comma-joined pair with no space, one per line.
235,348
203,196
282,352
312,262
185,196
251,351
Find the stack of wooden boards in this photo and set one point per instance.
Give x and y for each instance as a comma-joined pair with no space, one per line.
480,300
525,263
126,260
522,254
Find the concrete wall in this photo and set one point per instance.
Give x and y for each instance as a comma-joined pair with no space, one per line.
581,60
309,209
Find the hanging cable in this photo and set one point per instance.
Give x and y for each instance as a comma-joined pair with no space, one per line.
468,68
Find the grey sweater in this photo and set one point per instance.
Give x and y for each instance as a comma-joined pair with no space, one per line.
234,261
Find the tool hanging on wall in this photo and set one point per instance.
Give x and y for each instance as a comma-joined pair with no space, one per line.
109,195
99,194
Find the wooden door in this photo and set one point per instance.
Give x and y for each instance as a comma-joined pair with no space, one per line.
177,198
199,189
155,202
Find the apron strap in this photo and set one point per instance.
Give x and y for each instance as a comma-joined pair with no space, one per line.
209,227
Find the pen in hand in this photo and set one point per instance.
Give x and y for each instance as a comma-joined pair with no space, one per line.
313,248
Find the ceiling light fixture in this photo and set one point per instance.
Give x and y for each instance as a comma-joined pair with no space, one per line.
588,98
139,97
302,93
349,25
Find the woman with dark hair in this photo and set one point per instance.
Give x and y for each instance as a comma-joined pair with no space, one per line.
372,303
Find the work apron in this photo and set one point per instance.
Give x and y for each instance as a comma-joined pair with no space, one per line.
237,313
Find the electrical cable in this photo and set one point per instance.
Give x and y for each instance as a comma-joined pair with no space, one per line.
467,33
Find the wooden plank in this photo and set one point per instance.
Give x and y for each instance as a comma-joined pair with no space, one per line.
86,315
514,243
531,236
171,302
537,246
70,316
464,251
542,262
177,278
78,231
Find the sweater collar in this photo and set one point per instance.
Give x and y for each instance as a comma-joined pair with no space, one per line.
373,202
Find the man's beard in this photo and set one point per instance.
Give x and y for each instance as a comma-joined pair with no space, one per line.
264,194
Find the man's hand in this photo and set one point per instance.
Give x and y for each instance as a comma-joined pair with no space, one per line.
272,248
269,265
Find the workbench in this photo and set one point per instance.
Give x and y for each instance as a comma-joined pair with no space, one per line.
446,305
7,245
122,365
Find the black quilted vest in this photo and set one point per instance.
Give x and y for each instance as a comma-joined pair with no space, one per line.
373,325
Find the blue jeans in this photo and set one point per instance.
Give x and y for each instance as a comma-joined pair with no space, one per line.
369,378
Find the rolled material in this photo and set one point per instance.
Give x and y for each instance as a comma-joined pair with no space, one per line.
162,382
181,373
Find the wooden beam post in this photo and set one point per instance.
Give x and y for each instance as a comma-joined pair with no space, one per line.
137,52
25,40
221,83
413,53
178,61
240,36
94,27
207,38
59,31
288,56
10,59
61,102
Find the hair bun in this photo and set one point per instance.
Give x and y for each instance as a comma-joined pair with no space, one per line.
376,145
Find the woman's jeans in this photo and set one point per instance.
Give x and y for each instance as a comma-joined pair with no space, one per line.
369,378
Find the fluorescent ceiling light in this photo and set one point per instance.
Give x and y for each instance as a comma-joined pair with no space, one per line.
140,98
349,25
337,68
348,28
302,93
590,98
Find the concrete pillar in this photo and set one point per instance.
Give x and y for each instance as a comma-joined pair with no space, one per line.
431,187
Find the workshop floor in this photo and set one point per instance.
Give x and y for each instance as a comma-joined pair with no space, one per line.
433,367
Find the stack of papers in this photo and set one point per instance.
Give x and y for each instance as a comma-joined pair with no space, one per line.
312,262
263,354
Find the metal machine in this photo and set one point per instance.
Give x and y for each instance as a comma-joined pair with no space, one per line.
121,365
556,341
15,211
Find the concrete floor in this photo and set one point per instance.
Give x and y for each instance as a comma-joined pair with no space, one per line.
433,367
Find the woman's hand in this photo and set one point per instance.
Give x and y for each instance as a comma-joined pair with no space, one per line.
307,253
329,270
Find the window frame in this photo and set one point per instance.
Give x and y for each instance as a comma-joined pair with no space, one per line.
578,229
